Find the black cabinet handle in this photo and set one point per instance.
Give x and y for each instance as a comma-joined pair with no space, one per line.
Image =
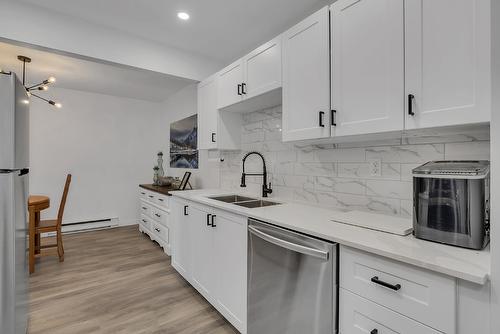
213,220
160,199
185,210
321,114
374,331
208,219
243,91
334,117
144,208
385,284
213,137
157,230
239,89
411,97
144,221
151,196
143,193
157,215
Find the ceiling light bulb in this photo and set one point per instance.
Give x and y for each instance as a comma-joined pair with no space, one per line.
51,79
183,16
58,105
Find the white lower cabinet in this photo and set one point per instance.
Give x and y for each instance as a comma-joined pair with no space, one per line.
154,217
210,251
360,316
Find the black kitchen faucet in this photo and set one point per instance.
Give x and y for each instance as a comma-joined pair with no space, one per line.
265,188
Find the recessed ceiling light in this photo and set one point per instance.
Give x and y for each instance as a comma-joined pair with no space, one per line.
183,16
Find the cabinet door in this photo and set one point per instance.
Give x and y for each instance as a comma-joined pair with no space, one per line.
367,66
181,243
447,62
306,78
229,85
207,114
203,273
231,258
263,69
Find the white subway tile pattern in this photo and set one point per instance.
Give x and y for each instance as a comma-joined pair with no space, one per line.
337,175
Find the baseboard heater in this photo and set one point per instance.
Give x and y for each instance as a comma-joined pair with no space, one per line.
86,226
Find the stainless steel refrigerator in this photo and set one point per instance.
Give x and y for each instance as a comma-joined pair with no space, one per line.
14,169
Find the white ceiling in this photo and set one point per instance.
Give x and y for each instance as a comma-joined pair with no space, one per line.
219,29
85,75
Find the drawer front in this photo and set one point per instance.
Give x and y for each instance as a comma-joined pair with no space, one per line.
160,216
422,295
143,193
146,209
145,222
151,197
162,201
361,316
160,231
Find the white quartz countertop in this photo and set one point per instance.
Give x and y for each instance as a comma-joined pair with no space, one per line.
466,264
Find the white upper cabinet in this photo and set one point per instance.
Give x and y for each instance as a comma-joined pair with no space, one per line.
207,114
306,78
258,74
262,69
216,129
367,66
447,62
230,81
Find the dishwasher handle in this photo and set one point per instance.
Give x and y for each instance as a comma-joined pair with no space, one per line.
289,245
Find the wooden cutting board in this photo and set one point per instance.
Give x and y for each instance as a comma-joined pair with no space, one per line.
377,222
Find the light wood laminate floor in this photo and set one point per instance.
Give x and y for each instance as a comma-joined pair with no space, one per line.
116,281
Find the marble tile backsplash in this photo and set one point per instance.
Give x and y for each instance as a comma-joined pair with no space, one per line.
337,175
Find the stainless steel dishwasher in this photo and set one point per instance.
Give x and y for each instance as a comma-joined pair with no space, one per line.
292,282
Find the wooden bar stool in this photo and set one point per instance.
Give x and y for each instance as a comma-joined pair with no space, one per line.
54,225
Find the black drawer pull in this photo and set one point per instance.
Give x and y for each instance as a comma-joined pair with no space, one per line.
157,230
374,331
185,210
208,219
213,221
143,193
160,199
157,215
144,208
411,97
387,285
239,89
150,196
144,221
334,120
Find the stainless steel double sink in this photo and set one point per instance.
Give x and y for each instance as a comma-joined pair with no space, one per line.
247,202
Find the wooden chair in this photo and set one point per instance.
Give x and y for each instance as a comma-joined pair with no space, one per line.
54,226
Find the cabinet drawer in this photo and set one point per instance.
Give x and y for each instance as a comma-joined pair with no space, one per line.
143,193
420,294
160,231
360,316
160,216
145,222
162,201
146,209
151,197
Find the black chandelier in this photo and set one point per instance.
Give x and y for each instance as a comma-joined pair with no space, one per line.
42,86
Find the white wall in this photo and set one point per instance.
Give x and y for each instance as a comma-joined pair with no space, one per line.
179,106
495,169
40,27
107,143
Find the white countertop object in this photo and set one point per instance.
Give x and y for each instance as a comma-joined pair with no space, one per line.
466,264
